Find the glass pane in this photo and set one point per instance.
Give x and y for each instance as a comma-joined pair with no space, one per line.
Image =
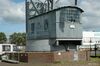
6,47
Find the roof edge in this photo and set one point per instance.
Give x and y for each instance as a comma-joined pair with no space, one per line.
58,9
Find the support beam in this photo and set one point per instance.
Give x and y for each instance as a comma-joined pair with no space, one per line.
50,4
34,7
75,2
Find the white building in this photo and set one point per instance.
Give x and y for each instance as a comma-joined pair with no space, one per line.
90,38
7,48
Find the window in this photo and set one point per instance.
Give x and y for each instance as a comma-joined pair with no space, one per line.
32,27
71,15
6,47
46,25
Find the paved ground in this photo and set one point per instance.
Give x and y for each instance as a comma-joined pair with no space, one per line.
52,64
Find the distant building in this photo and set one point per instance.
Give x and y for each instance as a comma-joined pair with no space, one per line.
90,38
7,48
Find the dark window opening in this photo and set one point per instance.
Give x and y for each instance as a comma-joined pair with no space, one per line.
46,25
77,42
32,27
71,44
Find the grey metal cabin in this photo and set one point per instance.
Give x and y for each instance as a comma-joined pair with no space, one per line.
57,30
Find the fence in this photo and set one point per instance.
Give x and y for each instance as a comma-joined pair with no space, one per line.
94,49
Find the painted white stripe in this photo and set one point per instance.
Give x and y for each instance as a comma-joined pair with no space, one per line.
68,39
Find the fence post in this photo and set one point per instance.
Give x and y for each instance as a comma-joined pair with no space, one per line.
95,50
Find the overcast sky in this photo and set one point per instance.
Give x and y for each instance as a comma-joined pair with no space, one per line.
12,15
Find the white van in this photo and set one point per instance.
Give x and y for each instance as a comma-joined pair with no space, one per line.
7,48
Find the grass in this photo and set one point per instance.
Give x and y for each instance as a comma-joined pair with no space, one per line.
96,60
98,55
92,62
52,64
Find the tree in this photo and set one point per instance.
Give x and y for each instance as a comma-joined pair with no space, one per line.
18,38
3,37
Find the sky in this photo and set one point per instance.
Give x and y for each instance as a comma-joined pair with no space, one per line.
12,15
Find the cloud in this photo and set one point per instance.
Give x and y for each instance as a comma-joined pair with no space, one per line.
11,11
15,12
91,16
61,3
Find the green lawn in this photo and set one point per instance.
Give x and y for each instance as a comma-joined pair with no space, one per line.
96,60
92,62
